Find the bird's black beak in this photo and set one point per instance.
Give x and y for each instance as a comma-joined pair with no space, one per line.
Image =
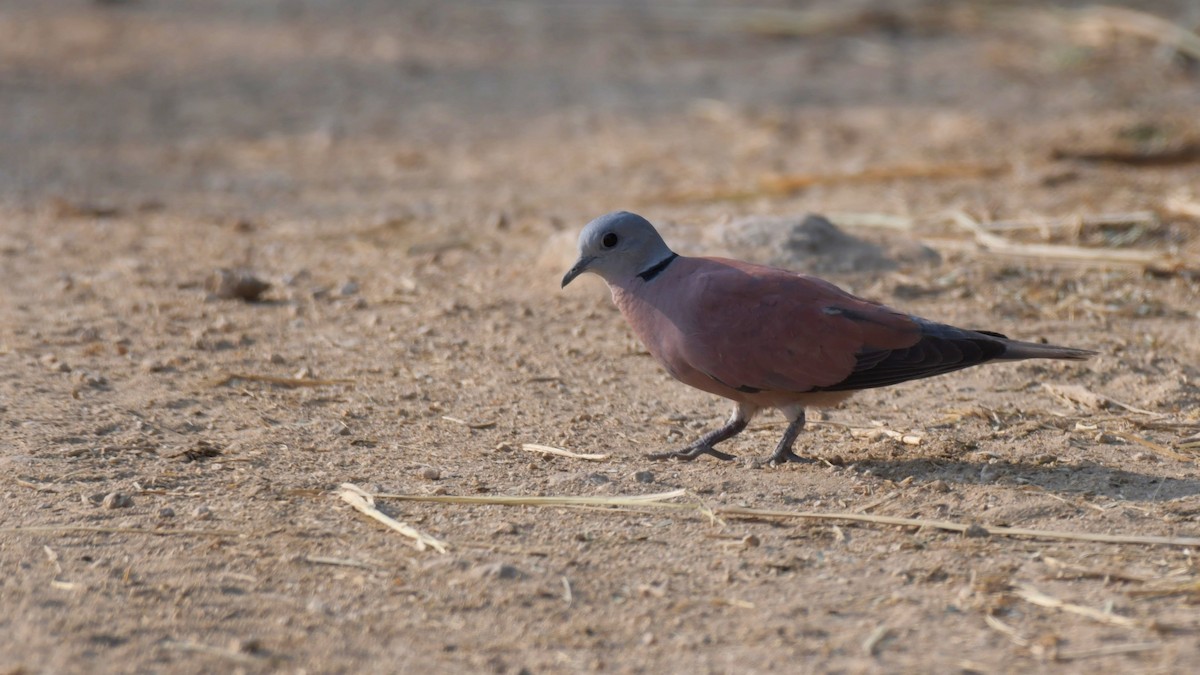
580,267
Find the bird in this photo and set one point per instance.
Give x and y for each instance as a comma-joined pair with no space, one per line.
765,337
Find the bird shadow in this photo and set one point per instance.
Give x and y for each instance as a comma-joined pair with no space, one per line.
1086,478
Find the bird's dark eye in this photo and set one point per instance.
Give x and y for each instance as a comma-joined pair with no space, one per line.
609,240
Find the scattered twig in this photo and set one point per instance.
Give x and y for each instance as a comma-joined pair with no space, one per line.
1191,588
657,501
470,425
885,221
338,562
1033,596
950,526
289,382
1073,222
881,501
211,650
877,432
1062,569
1169,156
65,208
1107,650
37,487
870,646
1156,448
1190,443
549,450
998,245
364,503
1070,655
1008,631
733,602
1083,396
1094,21
1183,206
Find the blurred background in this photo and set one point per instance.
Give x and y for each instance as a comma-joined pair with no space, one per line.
367,107
400,184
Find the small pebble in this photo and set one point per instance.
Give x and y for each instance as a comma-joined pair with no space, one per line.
644,476
349,288
976,530
202,512
91,380
51,362
939,485
166,512
116,500
598,479
431,473
236,285
497,220
506,528
245,645
277,359
153,366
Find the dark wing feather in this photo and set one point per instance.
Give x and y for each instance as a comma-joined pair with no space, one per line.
941,349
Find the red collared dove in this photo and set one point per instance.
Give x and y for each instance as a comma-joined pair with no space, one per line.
765,337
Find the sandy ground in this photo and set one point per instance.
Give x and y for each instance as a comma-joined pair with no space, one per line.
409,178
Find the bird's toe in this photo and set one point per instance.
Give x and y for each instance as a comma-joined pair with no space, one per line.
781,457
689,454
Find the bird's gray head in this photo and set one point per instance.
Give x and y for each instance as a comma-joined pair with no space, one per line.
619,246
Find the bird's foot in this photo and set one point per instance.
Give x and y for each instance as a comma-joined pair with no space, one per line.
688,454
785,455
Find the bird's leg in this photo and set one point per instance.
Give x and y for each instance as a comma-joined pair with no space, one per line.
704,446
783,452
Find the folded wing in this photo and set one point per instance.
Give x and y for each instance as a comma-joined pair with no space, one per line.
757,328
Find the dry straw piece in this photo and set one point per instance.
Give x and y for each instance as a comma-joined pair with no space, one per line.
550,450
996,245
656,499
1095,23
659,501
289,382
364,503
1034,596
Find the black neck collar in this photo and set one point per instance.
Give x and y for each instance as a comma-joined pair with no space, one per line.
654,270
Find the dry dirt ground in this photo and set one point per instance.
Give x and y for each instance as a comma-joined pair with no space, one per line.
409,177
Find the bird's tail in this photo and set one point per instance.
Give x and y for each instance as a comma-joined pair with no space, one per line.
1016,350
